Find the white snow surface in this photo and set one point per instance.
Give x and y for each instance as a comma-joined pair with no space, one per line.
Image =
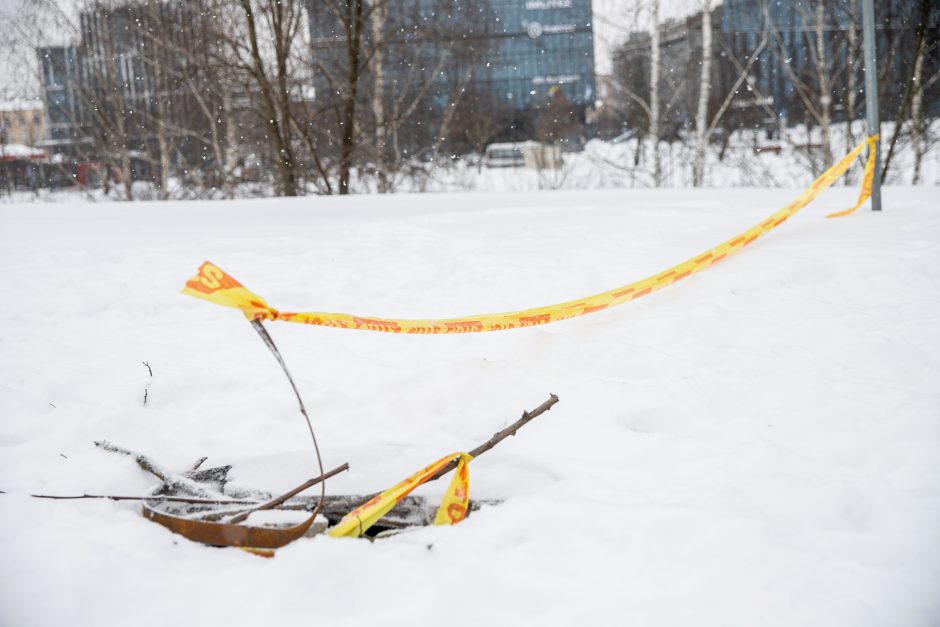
756,445
20,151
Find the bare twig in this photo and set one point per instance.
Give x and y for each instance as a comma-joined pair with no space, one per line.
147,388
159,497
170,479
142,460
499,436
194,500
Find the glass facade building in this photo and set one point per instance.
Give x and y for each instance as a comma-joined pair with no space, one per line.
793,50
60,79
513,56
537,45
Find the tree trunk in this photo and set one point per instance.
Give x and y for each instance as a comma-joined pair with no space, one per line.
282,20
654,97
825,89
157,58
276,121
852,54
379,15
911,87
917,117
229,163
701,116
117,137
353,51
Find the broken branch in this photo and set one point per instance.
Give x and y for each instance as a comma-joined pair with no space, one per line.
501,435
170,479
158,497
198,501
142,460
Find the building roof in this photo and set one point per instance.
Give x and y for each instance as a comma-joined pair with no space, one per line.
15,152
8,106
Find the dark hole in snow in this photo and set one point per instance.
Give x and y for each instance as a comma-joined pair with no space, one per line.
412,511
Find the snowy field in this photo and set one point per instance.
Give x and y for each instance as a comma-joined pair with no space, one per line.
756,445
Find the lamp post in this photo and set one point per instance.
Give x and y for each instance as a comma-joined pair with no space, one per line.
871,96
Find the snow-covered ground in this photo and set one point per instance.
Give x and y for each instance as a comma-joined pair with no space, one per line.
750,160
757,445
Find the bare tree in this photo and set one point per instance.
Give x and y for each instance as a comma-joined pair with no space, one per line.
391,81
702,130
479,117
378,27
132,92
271,77
340,59
637,81
354,24
852,55
814,84
654,92
105,93
912,85
920,139
156,38
705,121
208,81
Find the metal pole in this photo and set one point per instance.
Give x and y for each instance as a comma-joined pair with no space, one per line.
871,96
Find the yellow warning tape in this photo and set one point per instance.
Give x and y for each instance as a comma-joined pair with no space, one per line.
453,507
213,284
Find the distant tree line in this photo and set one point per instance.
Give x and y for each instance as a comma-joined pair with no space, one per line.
764,65
205,98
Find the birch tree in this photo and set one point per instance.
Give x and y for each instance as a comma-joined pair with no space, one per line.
912,84
814,84
920,140
705,125
702,130
378,26
633,86
852,55
272,77
105,96
156,38
654,93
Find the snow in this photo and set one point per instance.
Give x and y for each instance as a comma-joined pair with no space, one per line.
19,151
757,445
14,106
283,517
610,164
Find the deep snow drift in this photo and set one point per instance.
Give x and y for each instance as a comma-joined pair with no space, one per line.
756,445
